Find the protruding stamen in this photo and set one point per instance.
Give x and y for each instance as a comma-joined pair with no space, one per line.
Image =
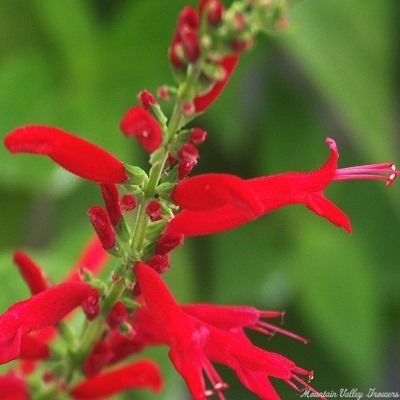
303,383
270,330
216,381
385,171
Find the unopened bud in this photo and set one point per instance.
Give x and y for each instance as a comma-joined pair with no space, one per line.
128,202
102,225
185,168
198,136
188,109
154,210
90,305
159,263
117,315
146,99
168,242
188,152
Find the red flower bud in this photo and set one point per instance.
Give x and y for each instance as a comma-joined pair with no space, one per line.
168,242
76,155
32,273
188,152
128,202
160,263
189,17
215,12
90,305
111,200
117,315
185,168
154,210
146,99
102,225
198,136
163,93
139,123
190,42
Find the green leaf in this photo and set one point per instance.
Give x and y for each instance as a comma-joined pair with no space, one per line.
347,50
340,299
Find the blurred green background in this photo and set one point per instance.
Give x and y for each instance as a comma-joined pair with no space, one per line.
78,65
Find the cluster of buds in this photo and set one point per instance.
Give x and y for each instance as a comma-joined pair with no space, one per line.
145,216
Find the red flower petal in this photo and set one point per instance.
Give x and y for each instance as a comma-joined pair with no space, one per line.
32,273
211,191
40,311
218,202
140,375
33,349
204,100
76,155
139,123
13,388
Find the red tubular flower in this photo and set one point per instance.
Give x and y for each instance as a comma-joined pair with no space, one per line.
111,201
196,343
76,155
40,311
31,272
202,101
139,375
139,123
234,317
102,225
13,387
218,202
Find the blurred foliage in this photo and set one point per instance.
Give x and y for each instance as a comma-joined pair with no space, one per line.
78,64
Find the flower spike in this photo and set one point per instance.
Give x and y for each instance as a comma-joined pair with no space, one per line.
32,273
76,155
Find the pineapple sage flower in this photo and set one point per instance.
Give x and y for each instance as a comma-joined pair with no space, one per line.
76,155
42,310
218,202
200,335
